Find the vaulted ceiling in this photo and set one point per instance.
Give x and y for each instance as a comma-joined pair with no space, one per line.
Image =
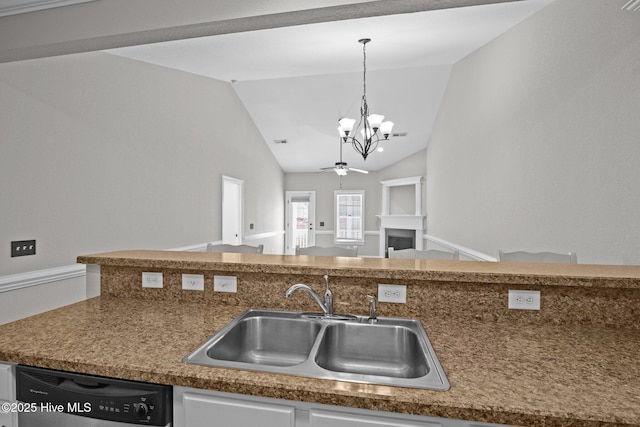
297,82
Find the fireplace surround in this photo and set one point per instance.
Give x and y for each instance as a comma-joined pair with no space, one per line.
401,226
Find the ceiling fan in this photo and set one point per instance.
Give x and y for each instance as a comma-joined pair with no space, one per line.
341,167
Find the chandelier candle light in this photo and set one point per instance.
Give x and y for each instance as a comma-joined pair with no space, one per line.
373,126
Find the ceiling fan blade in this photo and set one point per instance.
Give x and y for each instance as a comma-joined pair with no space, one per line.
329,168
358,170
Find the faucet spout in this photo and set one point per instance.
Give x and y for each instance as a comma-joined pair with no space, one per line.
307,289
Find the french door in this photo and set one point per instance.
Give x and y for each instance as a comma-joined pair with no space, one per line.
301,218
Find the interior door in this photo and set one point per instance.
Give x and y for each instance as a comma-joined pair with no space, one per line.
301,218
232,197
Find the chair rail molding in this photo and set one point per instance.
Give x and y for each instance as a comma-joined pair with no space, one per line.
469,253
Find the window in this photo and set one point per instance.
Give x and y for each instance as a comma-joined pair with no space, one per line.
349,216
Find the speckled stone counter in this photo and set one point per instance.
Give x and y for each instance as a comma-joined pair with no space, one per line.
547,368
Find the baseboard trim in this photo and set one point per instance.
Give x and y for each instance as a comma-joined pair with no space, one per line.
13,282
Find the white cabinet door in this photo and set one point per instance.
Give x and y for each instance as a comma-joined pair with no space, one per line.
7,419
201,410
7,382
320,418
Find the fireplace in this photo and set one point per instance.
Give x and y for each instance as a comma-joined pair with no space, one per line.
401,231
398,238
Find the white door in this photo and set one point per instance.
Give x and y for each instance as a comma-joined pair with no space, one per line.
301,218
231,210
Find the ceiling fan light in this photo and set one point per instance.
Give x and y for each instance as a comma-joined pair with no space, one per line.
375,120
346,125
341,171
386,128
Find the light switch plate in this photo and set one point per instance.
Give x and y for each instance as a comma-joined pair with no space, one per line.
392,293
225,284
151,280
524,300
193,282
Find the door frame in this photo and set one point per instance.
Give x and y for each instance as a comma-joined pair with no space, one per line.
289,195
228,210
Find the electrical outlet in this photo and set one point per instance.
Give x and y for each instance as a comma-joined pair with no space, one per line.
225,284
392,293
524,300
23,247
193,282
151,280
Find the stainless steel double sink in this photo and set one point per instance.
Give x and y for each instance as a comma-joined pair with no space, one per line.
391,351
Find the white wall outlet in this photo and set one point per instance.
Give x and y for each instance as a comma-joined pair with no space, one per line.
524,300
225,284
392,293
151,280
193,282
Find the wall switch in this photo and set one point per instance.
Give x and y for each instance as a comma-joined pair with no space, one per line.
23,247
392,293
193,282
524,300
225,284
151,280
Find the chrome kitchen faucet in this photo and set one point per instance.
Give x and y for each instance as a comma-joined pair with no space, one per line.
326,305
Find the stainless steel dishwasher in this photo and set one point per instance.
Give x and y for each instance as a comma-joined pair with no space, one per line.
56,398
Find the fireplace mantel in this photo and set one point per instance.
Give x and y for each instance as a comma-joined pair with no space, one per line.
405,222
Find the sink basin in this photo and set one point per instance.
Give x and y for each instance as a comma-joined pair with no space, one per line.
367,349
393,351
263,340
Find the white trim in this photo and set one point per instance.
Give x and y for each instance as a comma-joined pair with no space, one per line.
266,235
414,180
11,282
463,250
366,233
239,237
14,7
200,247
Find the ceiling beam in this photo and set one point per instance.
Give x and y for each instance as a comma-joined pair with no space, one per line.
85,42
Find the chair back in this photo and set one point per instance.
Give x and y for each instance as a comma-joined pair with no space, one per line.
330,251
550,257
239,249
428,254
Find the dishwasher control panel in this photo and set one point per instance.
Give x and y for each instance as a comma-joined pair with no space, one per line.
47,391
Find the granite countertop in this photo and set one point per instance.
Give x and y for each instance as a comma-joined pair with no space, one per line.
612,276
523,375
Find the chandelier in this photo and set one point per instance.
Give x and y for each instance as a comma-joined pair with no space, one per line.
373,127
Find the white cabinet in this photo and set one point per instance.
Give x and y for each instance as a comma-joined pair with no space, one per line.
7,394
201,409
206,408
326,418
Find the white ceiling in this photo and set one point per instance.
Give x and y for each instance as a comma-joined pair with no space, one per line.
297,82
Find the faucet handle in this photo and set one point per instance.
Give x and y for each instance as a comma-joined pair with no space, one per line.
373,305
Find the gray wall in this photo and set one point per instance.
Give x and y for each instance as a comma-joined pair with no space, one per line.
536,145
324,184
102,153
